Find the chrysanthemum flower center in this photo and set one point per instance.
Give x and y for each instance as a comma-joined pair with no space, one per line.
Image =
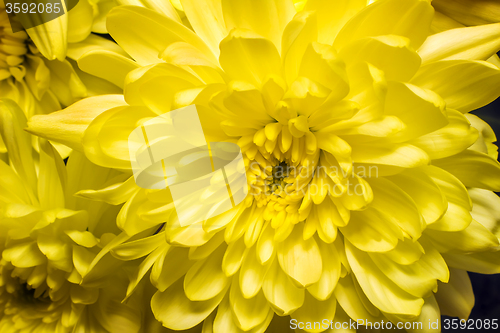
29,295
278,177
13,49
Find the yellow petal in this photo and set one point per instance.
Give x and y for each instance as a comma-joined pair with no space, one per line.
105,140
64,83
329,114
337,147
281,292
470,43
449,140
405,253
252,274
430,314
411,19
403,155
24,255
68,126
456,297
156,33
234,256
18,143
80,21
484,262
369,231
164,7
328,218
386,197
267,18
187,56
190,236
357,196
175,311
300,259
248,57
321,64
392,54
419,278
206,279
136,79
248,312
37,76
114,194
103,263
469,12
103,8
244,100
225,320
422,111
107,65
464,85
138,248
353,300
143,268
306,95
332,16
207,21
170,267
429,199
93,43
298,35
323,289
52,178
457,216
486,209
316,311
473,169
485,142
128,220
379,289
12,189
207,249
475,238
51,38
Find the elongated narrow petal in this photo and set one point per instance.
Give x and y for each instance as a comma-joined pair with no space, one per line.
466,92
68,126
471,43
50,38
207,21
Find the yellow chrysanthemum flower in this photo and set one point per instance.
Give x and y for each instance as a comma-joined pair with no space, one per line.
370,193
34,70
49,239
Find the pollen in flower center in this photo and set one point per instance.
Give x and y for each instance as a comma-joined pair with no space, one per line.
279,175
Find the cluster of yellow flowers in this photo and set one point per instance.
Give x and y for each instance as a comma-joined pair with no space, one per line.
321,89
